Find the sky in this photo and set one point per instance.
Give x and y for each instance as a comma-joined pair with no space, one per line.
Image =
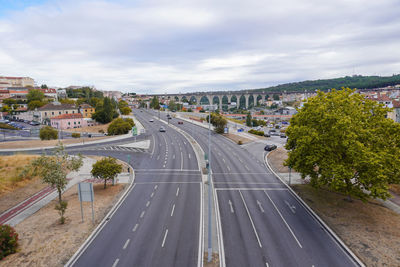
164,46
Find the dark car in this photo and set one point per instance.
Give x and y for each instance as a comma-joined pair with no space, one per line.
180,122
282,135
269,147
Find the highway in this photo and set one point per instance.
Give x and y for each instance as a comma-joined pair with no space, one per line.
262,223
159,222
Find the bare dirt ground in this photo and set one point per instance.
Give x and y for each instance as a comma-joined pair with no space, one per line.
44,242
46,143
90,129
236,138
371,230
276,159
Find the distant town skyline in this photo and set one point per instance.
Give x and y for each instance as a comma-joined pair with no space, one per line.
160,46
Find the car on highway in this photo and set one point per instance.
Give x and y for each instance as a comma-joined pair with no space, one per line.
151,120
34,123
270,147
180,122
162,129
267,134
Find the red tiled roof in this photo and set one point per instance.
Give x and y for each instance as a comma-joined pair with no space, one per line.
69,116
18,92
396,103
51,106
48,90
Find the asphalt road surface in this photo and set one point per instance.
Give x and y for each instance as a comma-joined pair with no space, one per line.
263,224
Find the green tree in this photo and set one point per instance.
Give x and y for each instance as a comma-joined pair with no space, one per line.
53,170
248,120
120,126
218,121
345,142
172,105
35,104
106,169
105,112
9,102
35,94
48,133
125,110
44,86
154,103
5,108
276,97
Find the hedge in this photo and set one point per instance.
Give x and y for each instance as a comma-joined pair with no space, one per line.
260,133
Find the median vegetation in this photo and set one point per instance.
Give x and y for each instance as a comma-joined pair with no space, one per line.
120,126
260,133
7,126
48,133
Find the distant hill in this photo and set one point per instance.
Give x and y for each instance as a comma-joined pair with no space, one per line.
356,81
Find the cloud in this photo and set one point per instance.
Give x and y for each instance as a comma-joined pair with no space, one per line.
181,46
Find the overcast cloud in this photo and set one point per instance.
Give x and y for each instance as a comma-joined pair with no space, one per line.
157,46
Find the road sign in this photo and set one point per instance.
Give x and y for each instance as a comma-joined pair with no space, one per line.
86,194
134,131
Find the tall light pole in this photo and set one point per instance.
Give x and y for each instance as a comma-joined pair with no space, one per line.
209,189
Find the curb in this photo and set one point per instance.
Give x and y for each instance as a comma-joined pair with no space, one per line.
101,225
316,217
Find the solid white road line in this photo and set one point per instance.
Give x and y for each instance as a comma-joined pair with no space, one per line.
172,211
126,243
115,263
283,219
154,145
165,237
251,220
177,191
135,227
230,204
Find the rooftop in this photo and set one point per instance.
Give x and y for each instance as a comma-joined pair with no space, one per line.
57,106
68,116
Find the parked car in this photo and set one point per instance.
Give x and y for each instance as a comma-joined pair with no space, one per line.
180,122
267,134
34,123
282,135
162,129
273,132
269,147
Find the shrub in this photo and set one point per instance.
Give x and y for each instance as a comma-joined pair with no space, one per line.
8,240
240,142
48,133
76,135
260,133
7,126
130,121
119,126
101,131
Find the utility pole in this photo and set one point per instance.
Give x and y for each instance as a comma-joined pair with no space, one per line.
209,189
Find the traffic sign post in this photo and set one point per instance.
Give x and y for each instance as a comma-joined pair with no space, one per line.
86,194
134,131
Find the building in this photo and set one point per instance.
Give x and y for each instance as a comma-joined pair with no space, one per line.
49,93
4,94
16,82
18,93
54,109
62,93
86,110
396,110
68,121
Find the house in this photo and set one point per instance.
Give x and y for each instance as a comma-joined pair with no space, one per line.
55,109
68,121
49,93
4,94
396,110
86,110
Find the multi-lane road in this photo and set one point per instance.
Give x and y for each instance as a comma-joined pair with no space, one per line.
159,223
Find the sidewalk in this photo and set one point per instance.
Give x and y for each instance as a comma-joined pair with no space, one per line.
34,203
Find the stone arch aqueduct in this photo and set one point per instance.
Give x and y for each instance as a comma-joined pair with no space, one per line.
219,95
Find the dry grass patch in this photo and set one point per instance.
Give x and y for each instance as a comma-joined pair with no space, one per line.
90,129
395,188
371,230
10,168
236,138
45,242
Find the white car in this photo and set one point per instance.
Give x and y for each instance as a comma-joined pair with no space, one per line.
151,120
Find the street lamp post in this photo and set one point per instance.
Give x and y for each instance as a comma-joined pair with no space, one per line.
209,189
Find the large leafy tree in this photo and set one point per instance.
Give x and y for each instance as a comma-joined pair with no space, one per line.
53,170
106,169
35,95
105,112
345,142
218,121
155,103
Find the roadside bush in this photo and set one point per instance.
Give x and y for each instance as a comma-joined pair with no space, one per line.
7,126
48,133
260,133
130,121
76,135
119,126
8,240
240,142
